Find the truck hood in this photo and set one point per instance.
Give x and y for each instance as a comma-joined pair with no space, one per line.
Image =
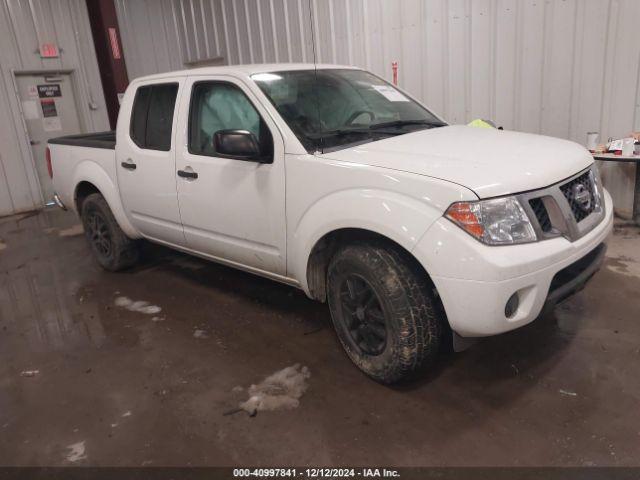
490,162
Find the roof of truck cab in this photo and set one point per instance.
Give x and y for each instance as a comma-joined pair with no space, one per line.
241,70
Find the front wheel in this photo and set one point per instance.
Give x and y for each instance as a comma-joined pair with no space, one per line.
383,310
111,247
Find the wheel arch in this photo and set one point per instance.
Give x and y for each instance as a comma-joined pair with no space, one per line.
331,242
327,246
396,216
82,191
91,178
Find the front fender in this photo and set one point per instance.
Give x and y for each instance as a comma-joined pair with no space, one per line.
94,173
398,217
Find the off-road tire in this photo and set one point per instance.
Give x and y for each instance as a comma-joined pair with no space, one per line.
122,251
414,323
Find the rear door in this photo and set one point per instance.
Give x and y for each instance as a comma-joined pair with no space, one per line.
145,161
235,209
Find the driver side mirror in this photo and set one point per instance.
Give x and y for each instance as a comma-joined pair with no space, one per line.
238,144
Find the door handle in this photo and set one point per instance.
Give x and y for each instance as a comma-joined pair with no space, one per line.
186,174
128,165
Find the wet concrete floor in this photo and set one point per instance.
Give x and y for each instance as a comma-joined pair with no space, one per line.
121,387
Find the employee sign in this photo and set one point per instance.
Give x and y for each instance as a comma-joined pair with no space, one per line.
48,91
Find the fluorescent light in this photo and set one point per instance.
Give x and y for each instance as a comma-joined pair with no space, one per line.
265,77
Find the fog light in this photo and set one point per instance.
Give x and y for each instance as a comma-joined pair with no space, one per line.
512,305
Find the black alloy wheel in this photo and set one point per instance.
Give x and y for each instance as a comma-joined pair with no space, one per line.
363,315
110,246
383,309
99,233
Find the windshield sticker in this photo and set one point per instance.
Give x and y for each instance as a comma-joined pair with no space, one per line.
390,93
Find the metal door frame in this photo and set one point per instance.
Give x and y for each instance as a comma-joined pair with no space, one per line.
25,143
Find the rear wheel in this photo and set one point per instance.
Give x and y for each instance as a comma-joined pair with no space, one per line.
111,247
383,310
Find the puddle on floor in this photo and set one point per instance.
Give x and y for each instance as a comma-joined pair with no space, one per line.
624,266
71,231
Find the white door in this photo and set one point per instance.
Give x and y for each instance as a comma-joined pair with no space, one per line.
145,162
235,209
49,110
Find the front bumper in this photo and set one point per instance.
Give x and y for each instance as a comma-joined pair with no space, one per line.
475,281
573,278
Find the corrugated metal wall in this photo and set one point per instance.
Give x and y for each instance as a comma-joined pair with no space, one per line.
556,67
24,26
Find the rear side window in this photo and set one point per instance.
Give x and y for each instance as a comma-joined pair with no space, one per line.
152,116
139,116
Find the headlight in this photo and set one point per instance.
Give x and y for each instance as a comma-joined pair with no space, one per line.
597,188
499,221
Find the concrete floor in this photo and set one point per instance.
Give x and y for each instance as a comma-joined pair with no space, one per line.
133,391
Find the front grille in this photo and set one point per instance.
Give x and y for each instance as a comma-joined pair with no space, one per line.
540,211
570,208
572,189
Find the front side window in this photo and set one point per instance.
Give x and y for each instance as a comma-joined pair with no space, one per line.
332,108
217,106
152,116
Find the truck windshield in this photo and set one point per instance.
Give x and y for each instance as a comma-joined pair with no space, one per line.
330,109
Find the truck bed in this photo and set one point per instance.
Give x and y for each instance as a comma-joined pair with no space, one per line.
87,157
91,140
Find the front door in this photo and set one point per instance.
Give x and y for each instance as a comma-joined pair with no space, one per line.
231,209
49,110
145,161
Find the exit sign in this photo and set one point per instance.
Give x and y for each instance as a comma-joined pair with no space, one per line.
48,50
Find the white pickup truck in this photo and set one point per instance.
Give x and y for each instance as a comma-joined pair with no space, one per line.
331,180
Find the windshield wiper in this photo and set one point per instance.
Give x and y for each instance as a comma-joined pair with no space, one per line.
343,132
340,132
402,123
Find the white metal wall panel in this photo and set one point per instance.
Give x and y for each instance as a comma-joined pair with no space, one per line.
482,59
24,26
556,67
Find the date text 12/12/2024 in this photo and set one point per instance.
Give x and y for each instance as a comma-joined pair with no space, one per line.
315,473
